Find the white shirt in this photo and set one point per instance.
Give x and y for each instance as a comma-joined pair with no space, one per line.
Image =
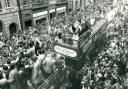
48,64
37,74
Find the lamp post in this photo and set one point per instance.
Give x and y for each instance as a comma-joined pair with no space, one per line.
20,14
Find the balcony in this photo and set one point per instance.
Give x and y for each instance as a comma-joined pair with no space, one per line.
39,4
61,1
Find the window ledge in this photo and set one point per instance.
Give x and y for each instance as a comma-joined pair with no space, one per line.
26,5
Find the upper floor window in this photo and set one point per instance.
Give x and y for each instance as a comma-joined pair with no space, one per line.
25,2
40,1
33,1
8,3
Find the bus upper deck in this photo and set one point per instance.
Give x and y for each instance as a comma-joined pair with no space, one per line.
75,46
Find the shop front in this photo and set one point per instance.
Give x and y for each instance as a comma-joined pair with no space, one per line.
52,13
40,17
61,11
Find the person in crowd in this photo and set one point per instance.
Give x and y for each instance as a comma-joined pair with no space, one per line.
104,73
37,78
48,63
13,79
30,52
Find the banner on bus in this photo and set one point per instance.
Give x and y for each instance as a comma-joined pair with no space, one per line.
65,51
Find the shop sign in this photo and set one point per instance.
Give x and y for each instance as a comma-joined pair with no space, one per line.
53,10
61,8
40,14
65,51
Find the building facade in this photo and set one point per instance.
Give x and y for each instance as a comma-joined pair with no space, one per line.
39,11
44,10
25,9
20,14
35,12
61,7
9,17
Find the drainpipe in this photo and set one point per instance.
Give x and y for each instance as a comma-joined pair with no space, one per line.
20,14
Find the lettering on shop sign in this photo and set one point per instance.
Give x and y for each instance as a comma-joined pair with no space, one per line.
65,51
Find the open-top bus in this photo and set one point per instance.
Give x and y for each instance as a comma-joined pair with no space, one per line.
75,52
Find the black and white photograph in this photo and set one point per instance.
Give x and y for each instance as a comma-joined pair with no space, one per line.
63,44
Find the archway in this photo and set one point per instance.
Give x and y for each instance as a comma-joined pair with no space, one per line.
12,29
1,26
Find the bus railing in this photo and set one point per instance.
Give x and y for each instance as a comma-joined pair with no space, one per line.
55,80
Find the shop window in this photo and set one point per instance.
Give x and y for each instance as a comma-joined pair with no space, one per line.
61,14
52,15
37,22
41,21
8,3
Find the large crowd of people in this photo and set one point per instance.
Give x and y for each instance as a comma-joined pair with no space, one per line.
109,69
27,57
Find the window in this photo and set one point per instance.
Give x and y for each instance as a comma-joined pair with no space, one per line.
40,1
41,21
25,2
8,3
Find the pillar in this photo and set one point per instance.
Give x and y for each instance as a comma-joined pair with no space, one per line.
74,5
83,4
78,4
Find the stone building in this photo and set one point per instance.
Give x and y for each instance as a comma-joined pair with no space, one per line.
26,13
35,12
44,10
20,14
9,17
